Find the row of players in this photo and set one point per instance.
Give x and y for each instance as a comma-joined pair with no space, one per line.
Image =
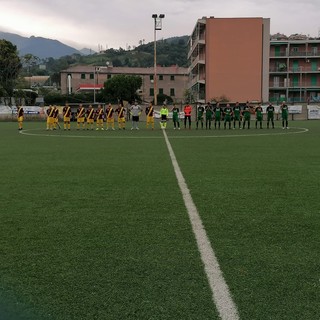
238,115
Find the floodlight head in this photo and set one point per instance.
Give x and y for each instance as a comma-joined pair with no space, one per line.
161,15
155,16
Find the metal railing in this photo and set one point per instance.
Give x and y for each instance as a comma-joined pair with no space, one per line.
295,54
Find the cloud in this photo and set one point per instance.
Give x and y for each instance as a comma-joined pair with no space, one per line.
122,22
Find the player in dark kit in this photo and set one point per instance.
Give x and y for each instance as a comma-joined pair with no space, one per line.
217,115
175,117
270,115
259,116
236,115
227,116
284,114
246,115
200,113
209,115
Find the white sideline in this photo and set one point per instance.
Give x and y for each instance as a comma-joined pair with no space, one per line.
220,291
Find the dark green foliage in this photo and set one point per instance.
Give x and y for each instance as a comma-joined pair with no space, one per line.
163,98
10,66
121,87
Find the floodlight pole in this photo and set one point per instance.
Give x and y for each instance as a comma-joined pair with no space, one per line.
157,26
96,69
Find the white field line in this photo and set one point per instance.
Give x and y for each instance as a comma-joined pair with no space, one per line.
220,292
29,132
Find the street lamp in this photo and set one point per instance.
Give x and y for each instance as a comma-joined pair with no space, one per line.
157,26
95,82
96,78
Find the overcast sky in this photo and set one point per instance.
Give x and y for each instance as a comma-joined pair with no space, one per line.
123,23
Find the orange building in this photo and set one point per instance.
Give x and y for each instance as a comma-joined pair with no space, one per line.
229,59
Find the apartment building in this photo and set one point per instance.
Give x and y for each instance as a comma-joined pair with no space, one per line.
171,81
294,69
229,59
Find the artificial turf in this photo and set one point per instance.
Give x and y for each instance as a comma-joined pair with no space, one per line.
93,225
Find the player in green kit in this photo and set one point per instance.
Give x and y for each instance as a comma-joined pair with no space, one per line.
236,115
217,115
200,113
259,116
246,115
209,114
284,114
270,115
175,117
227,116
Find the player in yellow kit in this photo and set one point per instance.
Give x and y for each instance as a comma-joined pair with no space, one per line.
20,114
149,114
66,117
80,117
110,118
121,117
90,117
50,118
99,118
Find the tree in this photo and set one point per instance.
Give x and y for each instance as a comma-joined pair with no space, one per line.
121,87
29,61
10,66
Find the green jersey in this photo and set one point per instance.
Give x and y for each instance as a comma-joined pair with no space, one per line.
270,111
209,112
227,113
175,114
259,113
246,112
217,112
236,112
200,112
284,111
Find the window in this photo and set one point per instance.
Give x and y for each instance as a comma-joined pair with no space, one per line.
109,76
160,90
172,78
91,76
160,77
172,92
314,51
151,92
83,75
151,77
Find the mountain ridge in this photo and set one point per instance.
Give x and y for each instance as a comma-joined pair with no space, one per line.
39,46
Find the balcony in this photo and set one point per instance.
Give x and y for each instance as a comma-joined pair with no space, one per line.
197,60
284,54
197,79
294,85
301,69
197,42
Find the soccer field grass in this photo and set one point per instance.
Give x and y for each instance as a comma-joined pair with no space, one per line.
94,226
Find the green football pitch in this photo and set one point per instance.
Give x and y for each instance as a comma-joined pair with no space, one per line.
93,224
